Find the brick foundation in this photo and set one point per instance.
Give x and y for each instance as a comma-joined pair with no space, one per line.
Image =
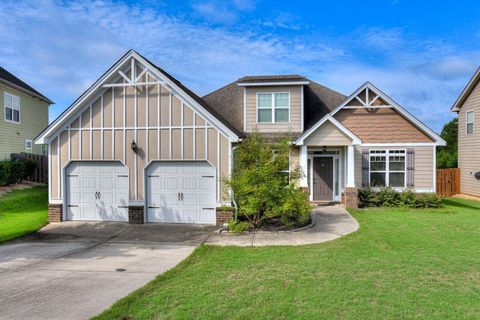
224,216
54,212
135,215
350,198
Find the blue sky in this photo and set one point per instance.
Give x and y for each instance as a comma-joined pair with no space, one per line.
421,53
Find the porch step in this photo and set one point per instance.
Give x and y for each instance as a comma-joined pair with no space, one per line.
323,203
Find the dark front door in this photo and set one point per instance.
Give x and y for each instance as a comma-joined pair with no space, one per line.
322,178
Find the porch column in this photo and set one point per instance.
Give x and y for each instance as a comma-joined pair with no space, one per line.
350,167
303,167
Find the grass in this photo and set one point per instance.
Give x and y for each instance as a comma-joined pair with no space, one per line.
401,264
22,212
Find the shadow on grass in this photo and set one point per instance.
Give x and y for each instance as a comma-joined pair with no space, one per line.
460,204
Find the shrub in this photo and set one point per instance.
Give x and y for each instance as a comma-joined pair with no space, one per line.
15,171
388,197
237,226
263,189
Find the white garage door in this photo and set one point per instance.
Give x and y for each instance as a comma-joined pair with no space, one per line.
181,192
97,191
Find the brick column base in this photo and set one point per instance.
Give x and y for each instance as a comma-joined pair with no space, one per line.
351,197
54,212
135,215
224,216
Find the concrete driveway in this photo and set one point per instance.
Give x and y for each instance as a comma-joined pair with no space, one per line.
74,270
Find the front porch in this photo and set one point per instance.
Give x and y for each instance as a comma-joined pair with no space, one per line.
327,163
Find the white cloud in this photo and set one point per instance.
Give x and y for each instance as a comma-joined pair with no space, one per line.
62,47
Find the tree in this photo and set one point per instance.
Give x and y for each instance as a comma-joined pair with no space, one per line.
263,189
447,157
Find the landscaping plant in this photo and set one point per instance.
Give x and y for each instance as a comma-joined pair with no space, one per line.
263,189
388,197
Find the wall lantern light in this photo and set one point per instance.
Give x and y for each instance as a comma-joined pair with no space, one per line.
134,146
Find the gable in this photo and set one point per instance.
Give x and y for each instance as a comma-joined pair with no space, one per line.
376,118
144,75
328,135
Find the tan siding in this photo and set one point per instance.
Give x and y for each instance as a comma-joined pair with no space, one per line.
224,159
96,114
141,107
469,145
130,162
212,146
118,101
200,143
153,144
96,145
86,143
164,106
152,106
176,111
75,144
380,126
54,169
188,144
295,124
119,142
107,145
107,109
328,135
141,161
423,165
164,144
130,107
176,144
63,157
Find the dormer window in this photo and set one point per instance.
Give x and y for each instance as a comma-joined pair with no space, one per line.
273,107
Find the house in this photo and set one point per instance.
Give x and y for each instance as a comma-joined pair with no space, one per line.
139,146
23,115
468,108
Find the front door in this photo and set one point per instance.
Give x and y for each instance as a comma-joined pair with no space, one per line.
322,179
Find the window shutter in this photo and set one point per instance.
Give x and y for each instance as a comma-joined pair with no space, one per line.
410,168
365,167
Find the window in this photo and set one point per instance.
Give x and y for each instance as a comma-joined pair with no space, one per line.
273,107
11,108
28,145
470,120
44,149
387,168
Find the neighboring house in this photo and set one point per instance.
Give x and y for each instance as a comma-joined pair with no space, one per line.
468,108
23,115
139,146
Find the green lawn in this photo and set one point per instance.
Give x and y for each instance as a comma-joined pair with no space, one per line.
22,212
401,264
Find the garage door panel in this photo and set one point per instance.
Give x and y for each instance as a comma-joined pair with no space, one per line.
98,189
184,178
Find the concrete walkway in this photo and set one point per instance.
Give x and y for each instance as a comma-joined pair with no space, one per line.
331,222
75,270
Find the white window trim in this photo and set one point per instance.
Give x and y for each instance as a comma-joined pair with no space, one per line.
44,149
273,107
472,123
31,145
5,95
387,170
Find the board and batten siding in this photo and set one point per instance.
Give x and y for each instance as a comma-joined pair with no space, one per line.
295,123
469,145
381,125
424,165
163,126
33,119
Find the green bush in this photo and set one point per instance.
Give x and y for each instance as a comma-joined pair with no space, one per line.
388,197
238,226
15,171
264,190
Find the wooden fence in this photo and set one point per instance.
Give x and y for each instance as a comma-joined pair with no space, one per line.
448,182
41,171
